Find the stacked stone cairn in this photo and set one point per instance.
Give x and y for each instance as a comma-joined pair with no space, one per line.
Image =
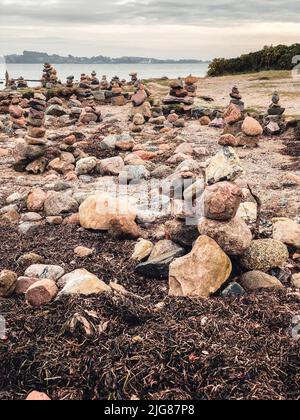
28,153
95,84
140,103
49,77
84,81
274,122
191,85
104,84
223,235
16,113
133,79
22,83
178,94
70,82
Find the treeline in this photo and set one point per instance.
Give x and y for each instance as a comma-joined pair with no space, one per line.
33,57
278,57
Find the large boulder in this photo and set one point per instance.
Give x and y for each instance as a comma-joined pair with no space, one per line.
224,166
97,211
287,231
58,203
254,280
222,200
200,273
82,282
8,281
251,127
265,254
233,236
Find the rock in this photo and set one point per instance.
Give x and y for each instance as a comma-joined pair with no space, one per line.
232,114
41,293
296,280
37,396
233,236
97,211
265,254
29,259
247,211
23,284
178,157
233,290
8,281
123,227
29,228
111,166
56,111
145,154
194,191
251,127
181,233
142,250
109,142
136,173
222,200
200,273
189,165
61,166
157,266
86,165
83,252
286,231
82,282
31,217
229,140
138,119
205,120
54,220
184,148
224,166
58,203
44,271
36,199
272,128
161,171
254,280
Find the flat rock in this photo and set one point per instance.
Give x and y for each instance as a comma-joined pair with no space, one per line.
82,282
44,271
142,250
58,203
287,231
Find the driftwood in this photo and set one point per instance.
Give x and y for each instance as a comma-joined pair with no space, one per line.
259,207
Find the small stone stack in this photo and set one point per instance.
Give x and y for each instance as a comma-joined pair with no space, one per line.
140,104
274,122
191,86
29,154
16,113
5,100
70,82
95,84
49,77
178,94
236,98
22,83
133,79
104,85
84,81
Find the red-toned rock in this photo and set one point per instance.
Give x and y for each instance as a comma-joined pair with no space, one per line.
37,396
222,200
124,227
23,284
41,293
232,114
145,155
36,199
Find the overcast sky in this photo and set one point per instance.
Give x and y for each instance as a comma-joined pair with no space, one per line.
152,28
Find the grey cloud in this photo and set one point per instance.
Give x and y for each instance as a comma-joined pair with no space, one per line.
189,12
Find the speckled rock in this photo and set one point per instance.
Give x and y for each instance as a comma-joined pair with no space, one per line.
265,254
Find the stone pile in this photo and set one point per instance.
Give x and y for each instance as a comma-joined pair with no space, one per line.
21,83
70,82
49,77
28,153
274,122
140,103
16,113
95,84
133,79
191,85
104,84
178,94
85,81
236,98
